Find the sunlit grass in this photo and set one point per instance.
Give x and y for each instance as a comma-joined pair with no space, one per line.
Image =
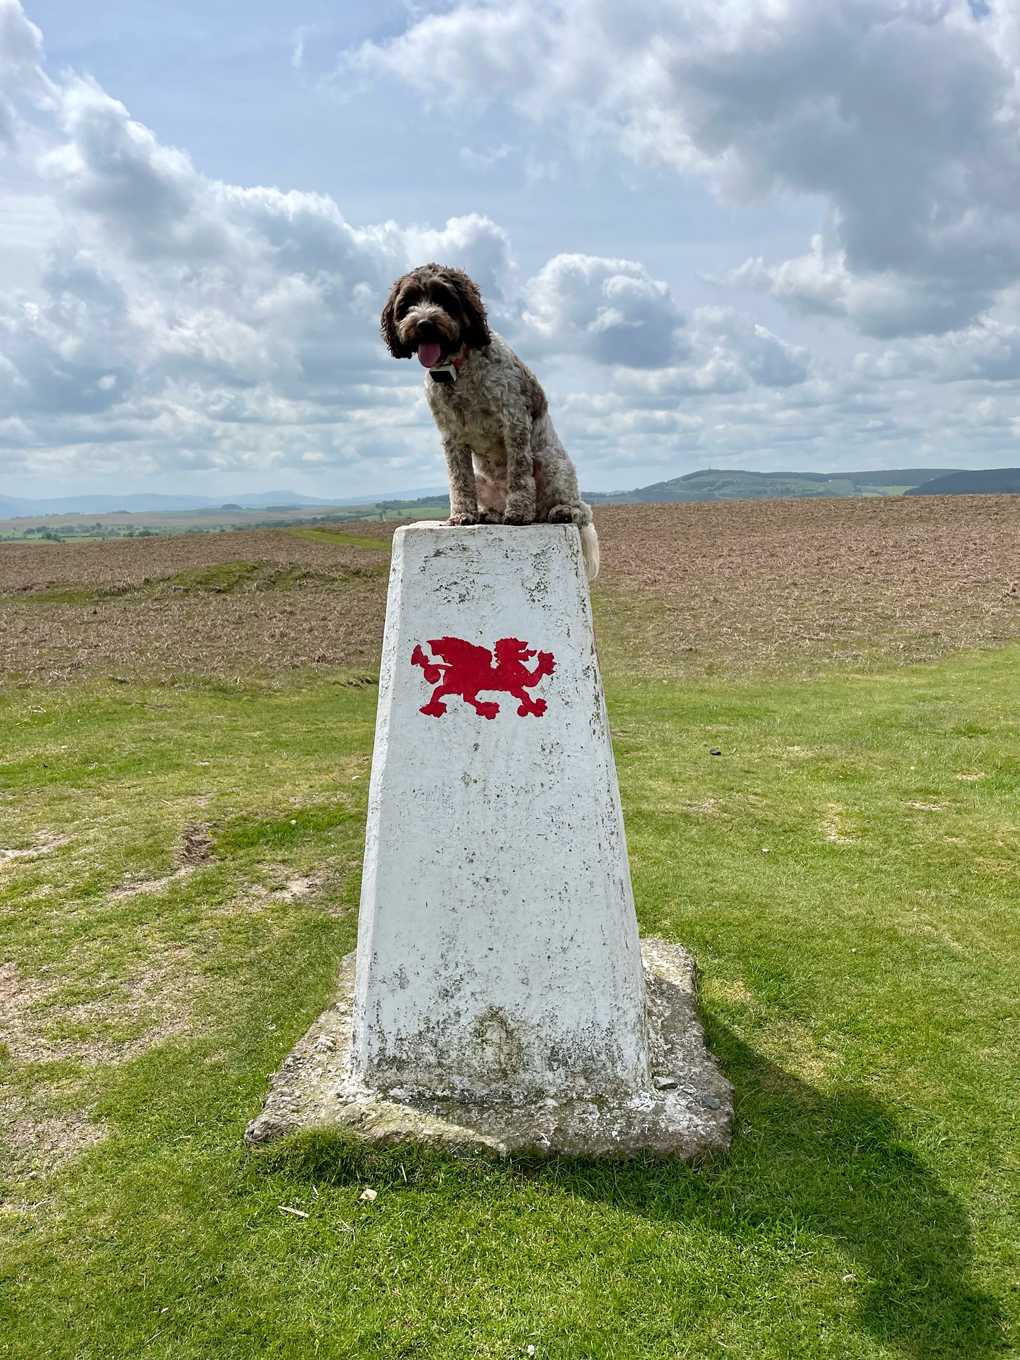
845,872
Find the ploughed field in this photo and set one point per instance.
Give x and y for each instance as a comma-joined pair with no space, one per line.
815,712
686,590
261,600
744,586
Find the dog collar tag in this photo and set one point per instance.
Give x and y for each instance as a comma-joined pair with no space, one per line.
447,373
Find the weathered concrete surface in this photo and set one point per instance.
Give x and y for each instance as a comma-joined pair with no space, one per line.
684,1107
500,996
497,942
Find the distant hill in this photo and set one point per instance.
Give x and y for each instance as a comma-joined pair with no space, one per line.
12,506
711,485
705,485
100,505
991,482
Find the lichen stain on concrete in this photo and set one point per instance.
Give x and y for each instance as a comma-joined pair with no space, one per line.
683,1109
500,1051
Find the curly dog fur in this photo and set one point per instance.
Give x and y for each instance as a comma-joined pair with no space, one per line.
505,461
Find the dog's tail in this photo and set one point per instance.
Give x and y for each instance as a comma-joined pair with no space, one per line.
590,549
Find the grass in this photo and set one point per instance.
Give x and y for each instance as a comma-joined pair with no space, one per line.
348,540
186,884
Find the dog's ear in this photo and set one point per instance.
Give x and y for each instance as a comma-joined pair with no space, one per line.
388,324
477,335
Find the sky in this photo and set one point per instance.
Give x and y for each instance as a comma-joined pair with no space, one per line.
766,234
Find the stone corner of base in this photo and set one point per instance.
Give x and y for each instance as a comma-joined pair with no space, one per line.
670,962
267,1129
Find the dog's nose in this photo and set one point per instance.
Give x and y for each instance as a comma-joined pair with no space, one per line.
428,330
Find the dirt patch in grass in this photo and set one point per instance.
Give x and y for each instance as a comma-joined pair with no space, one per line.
43,846
744,586
149,885
834,827
289,887
196,845
17,994
120,1019
297,887
42,1143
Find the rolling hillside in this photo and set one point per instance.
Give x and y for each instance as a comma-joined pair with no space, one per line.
990,482
710,485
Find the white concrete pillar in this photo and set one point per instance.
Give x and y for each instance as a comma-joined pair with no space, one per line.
498,948
498,998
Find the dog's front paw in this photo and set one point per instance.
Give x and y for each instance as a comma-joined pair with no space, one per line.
519,509
462,519
565,514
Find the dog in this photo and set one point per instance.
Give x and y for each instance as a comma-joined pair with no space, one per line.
505,461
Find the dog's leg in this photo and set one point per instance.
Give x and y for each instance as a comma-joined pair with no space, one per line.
463,497
578,513
491,498
520,476
561,501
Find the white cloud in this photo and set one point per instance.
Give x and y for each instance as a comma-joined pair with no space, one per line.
882,304
297,54
901,115
611,311
614,313
473,243
193,323
484,160
20,68
155,321
988,350
727,342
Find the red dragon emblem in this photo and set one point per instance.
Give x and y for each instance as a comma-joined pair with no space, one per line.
465,669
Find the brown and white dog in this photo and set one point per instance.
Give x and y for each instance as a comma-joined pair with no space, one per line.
505,460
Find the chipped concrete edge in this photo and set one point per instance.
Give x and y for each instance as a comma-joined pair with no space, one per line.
686,1110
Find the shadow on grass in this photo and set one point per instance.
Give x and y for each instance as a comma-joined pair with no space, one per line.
808,1172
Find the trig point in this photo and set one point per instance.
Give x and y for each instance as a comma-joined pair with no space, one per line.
500,995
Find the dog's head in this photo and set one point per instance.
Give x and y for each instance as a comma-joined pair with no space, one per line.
434,311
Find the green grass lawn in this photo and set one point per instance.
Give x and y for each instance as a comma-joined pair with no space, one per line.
188,886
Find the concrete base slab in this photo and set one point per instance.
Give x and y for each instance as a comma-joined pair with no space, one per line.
686,1109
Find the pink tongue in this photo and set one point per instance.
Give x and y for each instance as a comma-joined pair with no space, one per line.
428,354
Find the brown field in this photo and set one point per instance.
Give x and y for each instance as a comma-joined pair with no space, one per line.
738,587
798,585
238,603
